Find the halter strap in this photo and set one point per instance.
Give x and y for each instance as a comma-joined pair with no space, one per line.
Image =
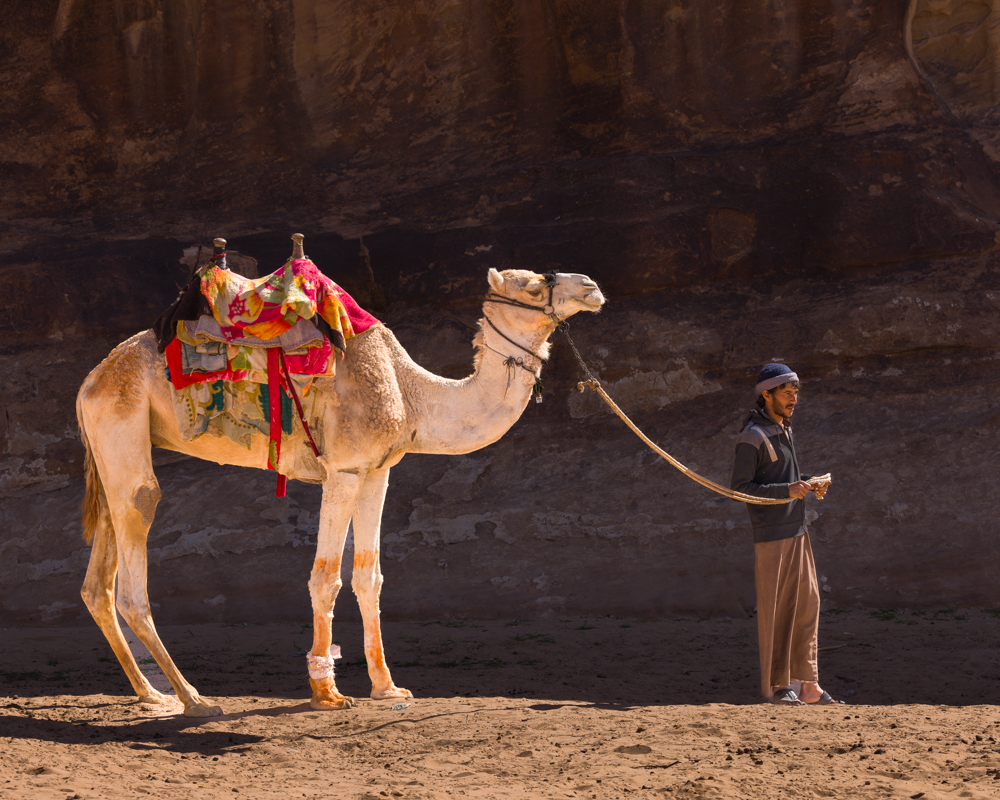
516,344
510,362
548,310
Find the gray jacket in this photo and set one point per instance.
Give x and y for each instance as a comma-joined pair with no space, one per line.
765,465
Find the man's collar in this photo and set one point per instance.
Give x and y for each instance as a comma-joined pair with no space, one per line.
785,424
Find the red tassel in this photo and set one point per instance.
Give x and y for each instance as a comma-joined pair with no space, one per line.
274,403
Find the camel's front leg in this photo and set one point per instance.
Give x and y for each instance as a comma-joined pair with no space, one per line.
340,493
367,581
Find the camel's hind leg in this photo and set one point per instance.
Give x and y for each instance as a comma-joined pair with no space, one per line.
132,504
129,492
367,581
113,409
98,593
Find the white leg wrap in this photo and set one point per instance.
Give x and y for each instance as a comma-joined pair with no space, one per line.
322,666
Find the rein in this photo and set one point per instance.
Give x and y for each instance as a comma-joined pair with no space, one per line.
593,383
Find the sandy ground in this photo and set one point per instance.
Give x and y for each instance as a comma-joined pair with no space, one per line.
585,708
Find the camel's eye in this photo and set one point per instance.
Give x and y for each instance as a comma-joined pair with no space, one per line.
535,292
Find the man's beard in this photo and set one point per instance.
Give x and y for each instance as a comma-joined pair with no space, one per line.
783,411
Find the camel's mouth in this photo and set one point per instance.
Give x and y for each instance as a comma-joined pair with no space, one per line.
593,300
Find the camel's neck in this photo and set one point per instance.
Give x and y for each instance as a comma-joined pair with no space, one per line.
465,415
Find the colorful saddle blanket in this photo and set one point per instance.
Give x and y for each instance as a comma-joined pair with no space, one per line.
268,307
236,373
297,309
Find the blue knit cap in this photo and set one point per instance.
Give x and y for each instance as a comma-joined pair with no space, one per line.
773,375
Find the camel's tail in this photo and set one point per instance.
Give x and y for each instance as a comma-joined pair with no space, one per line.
95,502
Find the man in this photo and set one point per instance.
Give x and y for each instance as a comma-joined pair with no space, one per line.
784,572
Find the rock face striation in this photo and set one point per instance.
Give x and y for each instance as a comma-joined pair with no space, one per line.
811,182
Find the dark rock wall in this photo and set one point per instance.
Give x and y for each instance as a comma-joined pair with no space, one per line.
814,182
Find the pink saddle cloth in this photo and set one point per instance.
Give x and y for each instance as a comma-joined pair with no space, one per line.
268,307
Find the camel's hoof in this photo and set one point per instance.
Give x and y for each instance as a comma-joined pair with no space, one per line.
155,698
392,693
332,702
202,710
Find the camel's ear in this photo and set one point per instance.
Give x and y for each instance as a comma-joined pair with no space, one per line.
496,281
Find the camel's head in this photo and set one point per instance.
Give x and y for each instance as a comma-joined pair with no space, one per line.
570,292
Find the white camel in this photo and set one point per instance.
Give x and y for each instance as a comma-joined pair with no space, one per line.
380,406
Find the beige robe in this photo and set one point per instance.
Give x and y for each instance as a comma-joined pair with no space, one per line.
787,611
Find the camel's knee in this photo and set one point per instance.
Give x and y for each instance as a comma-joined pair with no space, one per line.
135,613
367,577
144,500
96,596
325,582
367,584
325,595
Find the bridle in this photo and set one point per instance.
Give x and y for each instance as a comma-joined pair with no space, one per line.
548,309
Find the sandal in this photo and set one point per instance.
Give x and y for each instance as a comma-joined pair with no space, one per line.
826,700
787,697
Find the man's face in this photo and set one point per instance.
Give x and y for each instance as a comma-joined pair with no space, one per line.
781,402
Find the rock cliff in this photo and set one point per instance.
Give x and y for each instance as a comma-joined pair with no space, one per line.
815,182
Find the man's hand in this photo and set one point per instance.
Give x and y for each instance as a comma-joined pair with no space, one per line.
820,483
799,489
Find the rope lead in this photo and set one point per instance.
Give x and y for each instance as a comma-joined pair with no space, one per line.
595,384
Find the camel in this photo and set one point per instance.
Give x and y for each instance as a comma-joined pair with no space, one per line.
379,406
